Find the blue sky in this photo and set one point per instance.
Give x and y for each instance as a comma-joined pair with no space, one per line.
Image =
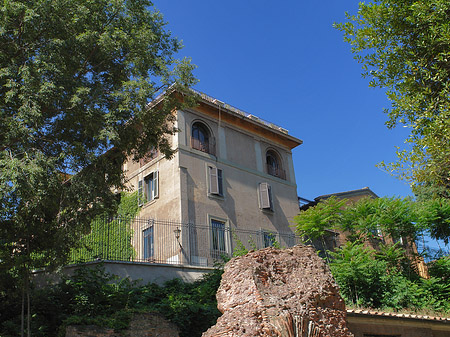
287,64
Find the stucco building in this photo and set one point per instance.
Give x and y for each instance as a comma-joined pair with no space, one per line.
231,171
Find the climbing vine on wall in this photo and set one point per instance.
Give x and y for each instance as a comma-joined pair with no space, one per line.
111,234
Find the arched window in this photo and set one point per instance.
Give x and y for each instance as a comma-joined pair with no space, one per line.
273,165
200,138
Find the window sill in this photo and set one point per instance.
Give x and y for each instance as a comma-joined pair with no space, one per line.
202,153
148,203
267,210
216,196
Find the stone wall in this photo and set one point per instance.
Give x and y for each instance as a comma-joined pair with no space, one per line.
141,325
286,293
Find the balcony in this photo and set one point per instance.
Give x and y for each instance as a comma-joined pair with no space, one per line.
166,242
202,146
276,172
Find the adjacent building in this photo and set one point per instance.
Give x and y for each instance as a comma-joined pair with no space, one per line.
338,238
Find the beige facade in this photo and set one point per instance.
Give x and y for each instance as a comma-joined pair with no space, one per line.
229,169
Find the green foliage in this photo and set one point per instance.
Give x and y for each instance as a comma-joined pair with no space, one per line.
396,217
434,215
382,279
92,296
192,307
404,46
273,241
361,278
110,235
439,283
393,216
440,269
75,82
76,79
313,222
240,249
128,205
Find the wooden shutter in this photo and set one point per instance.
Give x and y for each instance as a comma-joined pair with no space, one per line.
155,184
213,181
140,193
264,196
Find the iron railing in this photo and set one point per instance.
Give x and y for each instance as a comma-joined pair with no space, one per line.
149,240
276,172
203,146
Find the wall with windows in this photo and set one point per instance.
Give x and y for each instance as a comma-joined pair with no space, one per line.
159,185
249,199
228,172
234,184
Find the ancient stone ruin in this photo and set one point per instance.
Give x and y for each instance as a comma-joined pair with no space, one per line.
286,293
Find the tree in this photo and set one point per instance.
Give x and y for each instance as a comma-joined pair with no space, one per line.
383,274
315,222
365,218
76,79
404,46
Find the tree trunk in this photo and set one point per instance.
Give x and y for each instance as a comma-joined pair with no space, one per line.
28,306
22,313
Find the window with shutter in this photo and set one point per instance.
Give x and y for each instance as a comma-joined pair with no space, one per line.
215,178
265,197
148,189
141,197
155,184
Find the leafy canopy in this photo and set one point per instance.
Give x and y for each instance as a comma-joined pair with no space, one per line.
314,222
76,78
396,217
404,46
383,279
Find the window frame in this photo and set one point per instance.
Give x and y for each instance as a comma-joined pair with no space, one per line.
205,145
148,188
275,168
224,241
215,181
265,197
269,238
148,243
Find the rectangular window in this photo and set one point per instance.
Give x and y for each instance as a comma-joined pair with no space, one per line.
265,197
148,189
218,236
149,248
215,176
269,239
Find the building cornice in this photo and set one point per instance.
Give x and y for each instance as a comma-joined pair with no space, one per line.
232,115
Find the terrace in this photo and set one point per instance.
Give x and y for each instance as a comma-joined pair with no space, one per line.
168,242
